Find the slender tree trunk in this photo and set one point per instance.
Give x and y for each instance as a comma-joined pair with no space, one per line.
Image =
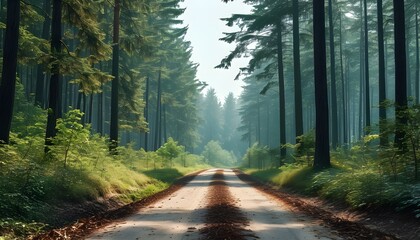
258,121
382,89
89,120
165,133
158,105
343,91
146,114
268,128
115,82
40,79
417,80
400,72
65,94
54,103
281,90
322,148
334,121
297,70
362,75
8,77
84,110
366,58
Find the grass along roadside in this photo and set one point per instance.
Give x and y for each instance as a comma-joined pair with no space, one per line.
84,226
65,196
359,189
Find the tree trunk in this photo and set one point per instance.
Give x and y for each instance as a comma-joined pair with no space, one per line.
165,133
89,120
54,103
100,113
366,67
297,71
113,134
146,114
417,80
281,90
382,84
362,75
343,88
400,73
322,147
258,121
334,121
157,120
8,77
40,79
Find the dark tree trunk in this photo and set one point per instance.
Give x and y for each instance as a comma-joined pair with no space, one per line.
268,128
157,120
366,66
382,84
89,120
362,75
113,133
322,147
334,122
100,96
400,72
65,93
258,120
79,100
281,90
54,103
146,114
165,133
417,80
343,88
40,78
8,77
297,71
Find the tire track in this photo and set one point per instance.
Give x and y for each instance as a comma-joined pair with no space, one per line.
223,219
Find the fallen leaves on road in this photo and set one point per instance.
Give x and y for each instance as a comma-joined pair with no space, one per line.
224,220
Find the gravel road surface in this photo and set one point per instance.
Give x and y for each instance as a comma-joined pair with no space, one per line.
182,214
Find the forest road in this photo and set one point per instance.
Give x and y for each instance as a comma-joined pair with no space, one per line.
182,214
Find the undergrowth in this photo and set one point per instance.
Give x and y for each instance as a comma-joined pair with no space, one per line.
78,168
364,187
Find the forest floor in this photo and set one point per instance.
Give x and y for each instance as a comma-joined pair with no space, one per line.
226,204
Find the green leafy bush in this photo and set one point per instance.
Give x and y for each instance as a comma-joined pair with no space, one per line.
259,157
71,139
170,150
216,156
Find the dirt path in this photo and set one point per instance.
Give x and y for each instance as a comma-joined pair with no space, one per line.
184,213
177,216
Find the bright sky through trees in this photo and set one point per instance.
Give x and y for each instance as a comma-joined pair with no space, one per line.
205,29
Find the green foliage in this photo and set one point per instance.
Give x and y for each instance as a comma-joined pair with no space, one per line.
216,156
78,168
10,229
71,139
412,198
28,120
166,175
143,192
363,188
259,157
170,150
304,148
